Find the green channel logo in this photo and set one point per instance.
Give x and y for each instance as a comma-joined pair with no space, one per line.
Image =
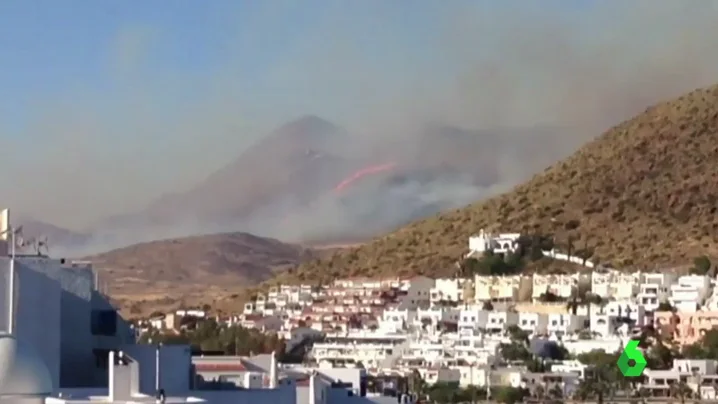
631,353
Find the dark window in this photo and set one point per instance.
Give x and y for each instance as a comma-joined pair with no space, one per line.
104,322
101,357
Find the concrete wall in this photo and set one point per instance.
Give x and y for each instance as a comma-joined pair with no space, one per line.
37,309
79,368
175,367
54,305
250,396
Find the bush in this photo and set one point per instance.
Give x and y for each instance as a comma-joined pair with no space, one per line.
701,265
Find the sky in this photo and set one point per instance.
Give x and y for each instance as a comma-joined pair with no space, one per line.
106,105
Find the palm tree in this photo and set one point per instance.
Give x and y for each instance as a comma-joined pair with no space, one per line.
416,384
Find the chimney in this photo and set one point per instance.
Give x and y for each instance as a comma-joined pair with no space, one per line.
273,372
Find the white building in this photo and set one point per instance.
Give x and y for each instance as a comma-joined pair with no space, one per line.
472,318
497,288
430,318
534,323
447,290
604,325
560,285
59,295
499,244
563,324
395,320
571,366
418,291
500,321
371,349
614,284
627,309
690,292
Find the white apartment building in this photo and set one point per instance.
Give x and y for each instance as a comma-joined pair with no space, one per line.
449,350
396,320
471,376
497,288
563,324
499,244
473,349
499,321
604,325
418,292
352,349
447,290
616,285
561,285
439,375
430,318
534,323
690,292
611,344
361,283
426,352
654,289
631,310
571,366
472,318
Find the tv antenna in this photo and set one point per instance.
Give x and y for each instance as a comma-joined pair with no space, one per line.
40,245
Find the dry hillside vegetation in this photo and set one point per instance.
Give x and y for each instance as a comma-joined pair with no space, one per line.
168,270
644,194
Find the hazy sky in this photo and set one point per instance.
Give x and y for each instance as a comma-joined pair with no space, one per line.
104,105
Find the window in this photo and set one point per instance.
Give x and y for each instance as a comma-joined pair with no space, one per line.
103,322
101,357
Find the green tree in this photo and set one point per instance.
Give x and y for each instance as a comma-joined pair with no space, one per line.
445,393
701,265
508,395
605,379
209,335
416,384
706,348
517,335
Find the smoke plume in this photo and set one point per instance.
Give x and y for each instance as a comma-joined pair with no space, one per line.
380,69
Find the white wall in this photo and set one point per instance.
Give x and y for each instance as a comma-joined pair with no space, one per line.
286,395
37,310
175,367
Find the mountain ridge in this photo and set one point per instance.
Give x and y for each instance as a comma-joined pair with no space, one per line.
639,195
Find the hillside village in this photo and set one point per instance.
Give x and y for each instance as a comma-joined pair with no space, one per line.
536,334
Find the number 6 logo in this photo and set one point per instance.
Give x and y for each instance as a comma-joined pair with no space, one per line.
631,354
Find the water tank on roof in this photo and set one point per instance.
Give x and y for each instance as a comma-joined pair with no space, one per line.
24,377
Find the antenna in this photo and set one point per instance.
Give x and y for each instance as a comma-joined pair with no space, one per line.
41,244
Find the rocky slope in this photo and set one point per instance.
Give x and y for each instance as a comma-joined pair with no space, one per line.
641,195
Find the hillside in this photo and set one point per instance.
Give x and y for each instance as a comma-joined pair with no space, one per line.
55,235
178,267
283,186
641,195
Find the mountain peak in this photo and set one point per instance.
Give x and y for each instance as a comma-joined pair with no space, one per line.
308,125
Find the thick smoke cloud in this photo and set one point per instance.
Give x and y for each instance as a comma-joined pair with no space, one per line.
482,64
